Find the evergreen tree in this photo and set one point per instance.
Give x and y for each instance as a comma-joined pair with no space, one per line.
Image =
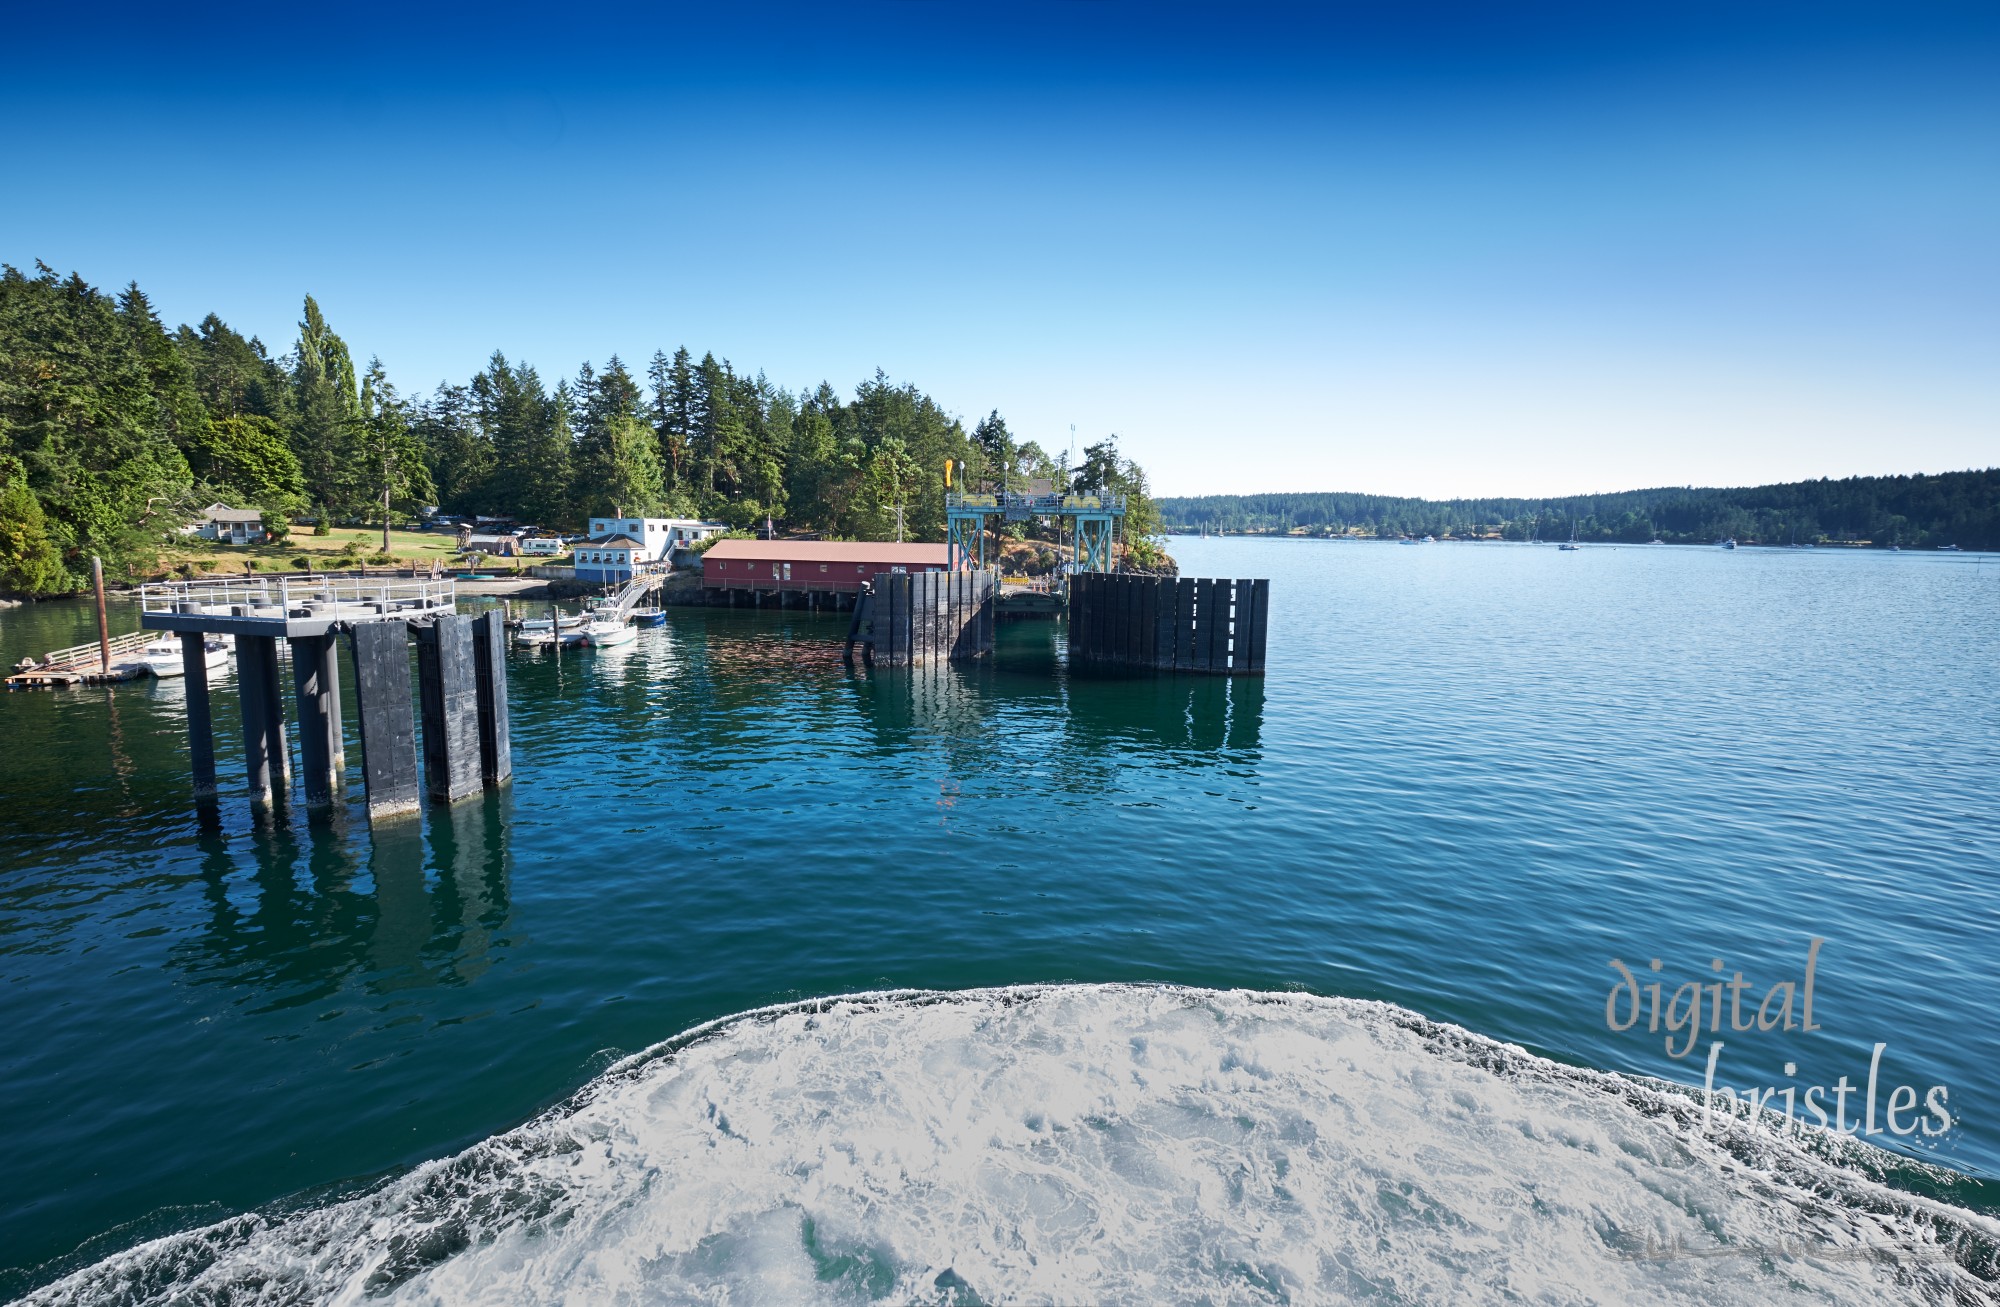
248,461
81,420
29,561
457,449
389,450
327,436
996,449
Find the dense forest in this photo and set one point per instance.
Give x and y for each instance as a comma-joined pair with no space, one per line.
1951,508
115,431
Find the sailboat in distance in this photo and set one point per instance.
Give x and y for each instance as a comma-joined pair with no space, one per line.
1570,545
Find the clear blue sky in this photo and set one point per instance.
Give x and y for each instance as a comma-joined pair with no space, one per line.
1408,248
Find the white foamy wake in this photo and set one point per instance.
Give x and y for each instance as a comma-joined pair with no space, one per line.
1090,1144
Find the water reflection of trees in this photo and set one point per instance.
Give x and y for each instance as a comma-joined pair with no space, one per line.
288,924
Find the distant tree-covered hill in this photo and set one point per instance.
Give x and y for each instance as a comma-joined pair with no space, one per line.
1961,508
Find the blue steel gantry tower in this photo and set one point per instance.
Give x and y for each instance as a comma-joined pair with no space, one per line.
1094,519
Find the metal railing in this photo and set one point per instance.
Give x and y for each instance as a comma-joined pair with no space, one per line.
296,596
1038,505
79,657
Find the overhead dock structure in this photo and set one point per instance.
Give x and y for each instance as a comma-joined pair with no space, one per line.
1094,519
462,683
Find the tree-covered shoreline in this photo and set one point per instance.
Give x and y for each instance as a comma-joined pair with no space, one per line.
115,431
1917,511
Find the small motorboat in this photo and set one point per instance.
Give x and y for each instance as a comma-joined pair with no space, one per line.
1950,549
607,634
569,621
649,616
1726,544
164,657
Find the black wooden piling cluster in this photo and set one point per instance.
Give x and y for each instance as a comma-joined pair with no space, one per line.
918,618
1180,624
462,685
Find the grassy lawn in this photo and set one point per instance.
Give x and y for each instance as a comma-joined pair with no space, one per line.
331,552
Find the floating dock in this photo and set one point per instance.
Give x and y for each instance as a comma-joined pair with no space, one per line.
83,664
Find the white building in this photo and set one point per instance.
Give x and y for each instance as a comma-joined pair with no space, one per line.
657,537
610,557
229,526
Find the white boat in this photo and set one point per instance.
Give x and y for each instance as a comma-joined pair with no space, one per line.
1729,543
163,657
1570,545
569,622
606,634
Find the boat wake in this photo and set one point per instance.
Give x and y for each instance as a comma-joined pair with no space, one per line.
1102,1143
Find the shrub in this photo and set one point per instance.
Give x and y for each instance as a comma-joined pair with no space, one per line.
320,528
303,563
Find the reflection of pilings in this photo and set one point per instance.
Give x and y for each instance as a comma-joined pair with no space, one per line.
449,689
314,675
489,661
263,716
201,730
388,726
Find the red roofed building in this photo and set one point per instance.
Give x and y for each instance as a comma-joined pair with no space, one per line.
827,565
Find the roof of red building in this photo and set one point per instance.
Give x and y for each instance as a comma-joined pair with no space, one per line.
830,551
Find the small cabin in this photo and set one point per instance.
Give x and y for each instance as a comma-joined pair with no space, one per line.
231,526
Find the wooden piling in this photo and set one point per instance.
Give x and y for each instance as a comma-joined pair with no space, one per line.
448,690
388,726
263,716
103,620
201,730
1260,606
317,691
489,648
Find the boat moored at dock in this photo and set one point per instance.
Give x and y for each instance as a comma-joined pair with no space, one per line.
166,658
607,633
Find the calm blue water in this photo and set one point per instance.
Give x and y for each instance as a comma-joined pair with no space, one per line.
1473,775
